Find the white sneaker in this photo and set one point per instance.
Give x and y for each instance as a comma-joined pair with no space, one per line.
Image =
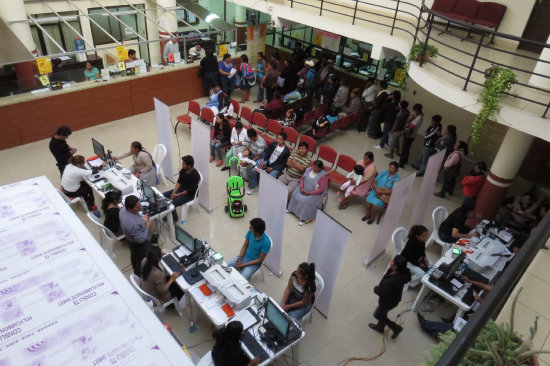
301,223
251,191
378,147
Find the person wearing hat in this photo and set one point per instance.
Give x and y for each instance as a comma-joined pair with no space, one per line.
354,104
310,75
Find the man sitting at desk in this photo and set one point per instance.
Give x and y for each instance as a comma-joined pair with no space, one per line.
255,248
186,186
454,227
136,229
197,49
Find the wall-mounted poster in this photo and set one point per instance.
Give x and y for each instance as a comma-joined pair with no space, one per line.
327,40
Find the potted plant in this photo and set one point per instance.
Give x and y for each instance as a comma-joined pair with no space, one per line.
496,344
416,51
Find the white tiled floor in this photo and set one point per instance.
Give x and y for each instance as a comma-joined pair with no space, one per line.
328,341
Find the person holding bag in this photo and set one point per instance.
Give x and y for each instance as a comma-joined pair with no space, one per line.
452,168
248,79
381,191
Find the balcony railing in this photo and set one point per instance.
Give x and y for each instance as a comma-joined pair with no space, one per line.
418,23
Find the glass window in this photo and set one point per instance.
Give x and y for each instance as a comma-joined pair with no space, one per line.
58,30
131,17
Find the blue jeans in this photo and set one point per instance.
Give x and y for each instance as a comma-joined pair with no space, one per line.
178,201
255,177
247,271
300,312
260,93
216,147
227,85
424,157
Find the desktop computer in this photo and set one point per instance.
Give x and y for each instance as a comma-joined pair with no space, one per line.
99,149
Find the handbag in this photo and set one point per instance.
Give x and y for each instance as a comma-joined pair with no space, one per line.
384,198
238,80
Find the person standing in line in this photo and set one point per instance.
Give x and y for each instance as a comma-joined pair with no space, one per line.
368,96
447,141
451,168
247,73
413,124
390,291
270,80
341,96
136,229
210,74
430,137
375,118
389,114
397,129
472,183
60,149
227,72
261,70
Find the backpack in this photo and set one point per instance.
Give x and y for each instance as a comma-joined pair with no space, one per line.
247,71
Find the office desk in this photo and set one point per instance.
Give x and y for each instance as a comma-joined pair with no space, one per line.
127,183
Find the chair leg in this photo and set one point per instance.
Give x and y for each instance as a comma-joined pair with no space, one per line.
183,217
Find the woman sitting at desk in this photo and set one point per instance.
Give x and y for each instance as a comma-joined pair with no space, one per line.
415,253
144,166
110,209
300,291
154,280
91,73
72,180
227,351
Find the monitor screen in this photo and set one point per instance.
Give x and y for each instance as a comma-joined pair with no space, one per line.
99,150
185,239
149,194
454,266
277,318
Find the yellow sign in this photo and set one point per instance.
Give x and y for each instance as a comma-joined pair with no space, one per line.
121,66
399,75
44,80
365,56
222,49
318,39
121,53
44,65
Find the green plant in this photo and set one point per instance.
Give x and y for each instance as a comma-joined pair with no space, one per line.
497,81
496,345
417,48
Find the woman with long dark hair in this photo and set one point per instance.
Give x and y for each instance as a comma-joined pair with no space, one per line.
227,351
154,280
451,168
144,166
300,291
221,138
389,291
472,183
110,209
415,253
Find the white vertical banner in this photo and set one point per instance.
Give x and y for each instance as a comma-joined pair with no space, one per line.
272,209
327,247
398,199
200,147
425,196
164,132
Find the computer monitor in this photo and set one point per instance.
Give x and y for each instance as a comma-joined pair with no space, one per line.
454,266
149,194
185,239
99,150
277,318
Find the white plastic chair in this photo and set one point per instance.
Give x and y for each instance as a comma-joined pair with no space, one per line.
206,360
194,201
439,215
71,201
158,307
320,285
159,153
106,237
261,269
398,238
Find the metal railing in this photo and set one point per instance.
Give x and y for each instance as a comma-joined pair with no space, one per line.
419,26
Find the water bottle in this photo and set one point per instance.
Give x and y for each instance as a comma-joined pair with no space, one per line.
149,303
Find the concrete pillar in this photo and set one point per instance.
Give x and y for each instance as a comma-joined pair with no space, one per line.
510,156
166,21
240,23
543,69
155,55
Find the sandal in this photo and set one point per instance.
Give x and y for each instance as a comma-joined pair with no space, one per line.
370,221
364,218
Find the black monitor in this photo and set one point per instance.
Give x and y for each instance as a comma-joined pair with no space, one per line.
454,266
99,150
149,194
185,239
277,318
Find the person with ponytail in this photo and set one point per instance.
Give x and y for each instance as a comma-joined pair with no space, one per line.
144,166
389,291
227,351
110,209
300,291
415,253
154,280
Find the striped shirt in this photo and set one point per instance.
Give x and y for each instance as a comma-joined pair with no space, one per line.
302,160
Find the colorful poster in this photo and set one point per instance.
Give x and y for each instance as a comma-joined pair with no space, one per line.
399,75
44,65
222,49
121,53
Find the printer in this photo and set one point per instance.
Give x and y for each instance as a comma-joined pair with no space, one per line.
238,296
216,275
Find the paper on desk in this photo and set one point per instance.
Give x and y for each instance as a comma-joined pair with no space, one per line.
217,314
197,294
96,162
182,251
246,318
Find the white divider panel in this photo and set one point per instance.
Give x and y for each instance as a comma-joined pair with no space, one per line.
389,222
425,196
327,247
200,146
164,131
63,299
272,209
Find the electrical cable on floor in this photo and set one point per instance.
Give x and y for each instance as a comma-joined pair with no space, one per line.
201,342
177,138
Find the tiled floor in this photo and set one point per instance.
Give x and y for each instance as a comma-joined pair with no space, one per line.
328,341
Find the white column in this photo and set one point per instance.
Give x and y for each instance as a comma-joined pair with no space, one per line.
166,20
14,10
153,33
543,69
240,16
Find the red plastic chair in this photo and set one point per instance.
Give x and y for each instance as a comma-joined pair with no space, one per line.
236,107
347,121
335,126
308,119
268,139
320,111
207,115
465,10
311,142
346,163
193,107
291,137
259,120
328,154
489,15
444,7
274,127
246,114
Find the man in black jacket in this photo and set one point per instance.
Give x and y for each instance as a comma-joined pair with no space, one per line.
273,161
59,148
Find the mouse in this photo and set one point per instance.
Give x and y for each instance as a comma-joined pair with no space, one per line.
194,273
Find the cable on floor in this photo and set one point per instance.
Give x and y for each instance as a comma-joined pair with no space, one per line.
382,350
201,342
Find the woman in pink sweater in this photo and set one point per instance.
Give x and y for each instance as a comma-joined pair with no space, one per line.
451,168
472,183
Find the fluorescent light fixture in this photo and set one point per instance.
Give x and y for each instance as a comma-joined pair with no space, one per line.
210,17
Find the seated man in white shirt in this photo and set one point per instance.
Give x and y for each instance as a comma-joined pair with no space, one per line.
197,49
272,160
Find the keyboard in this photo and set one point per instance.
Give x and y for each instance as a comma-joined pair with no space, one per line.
173,264
254,346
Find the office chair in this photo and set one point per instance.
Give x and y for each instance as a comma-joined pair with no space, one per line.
158,307
194,201
106,237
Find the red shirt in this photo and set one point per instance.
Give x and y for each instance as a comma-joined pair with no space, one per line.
472,185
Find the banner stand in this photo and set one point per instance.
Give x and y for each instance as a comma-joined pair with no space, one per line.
200,147
164,133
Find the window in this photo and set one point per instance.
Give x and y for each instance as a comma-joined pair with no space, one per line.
58,30
189,17
128,15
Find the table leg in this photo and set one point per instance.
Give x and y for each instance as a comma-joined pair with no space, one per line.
459,314
190,316
421,294
171,227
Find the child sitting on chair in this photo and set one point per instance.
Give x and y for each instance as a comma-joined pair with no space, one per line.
244,161
353,179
